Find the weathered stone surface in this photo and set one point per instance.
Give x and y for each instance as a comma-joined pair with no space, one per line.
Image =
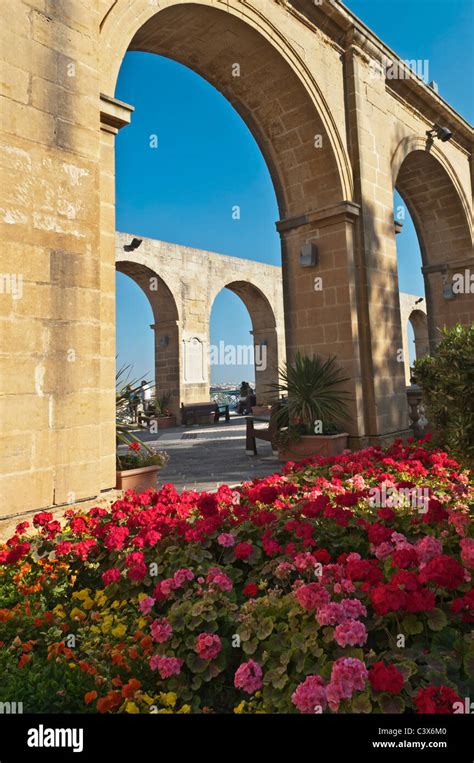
337,137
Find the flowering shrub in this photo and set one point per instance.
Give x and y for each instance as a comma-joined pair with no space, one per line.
324,589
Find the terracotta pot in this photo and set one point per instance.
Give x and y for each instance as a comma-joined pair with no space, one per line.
261,410
164,422
313,445
137,479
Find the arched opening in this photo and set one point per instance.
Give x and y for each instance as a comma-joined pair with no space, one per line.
253,355
165,326
267,83
419,324
440,217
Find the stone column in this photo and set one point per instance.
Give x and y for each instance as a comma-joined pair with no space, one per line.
167,363
375,256
323,302
114,115
266,361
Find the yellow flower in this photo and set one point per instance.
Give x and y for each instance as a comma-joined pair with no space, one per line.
115,604
119,630
146,698
100,598
168,698
84,594
185,709
87,603
72,665
59,611
77,613
240,708
131,707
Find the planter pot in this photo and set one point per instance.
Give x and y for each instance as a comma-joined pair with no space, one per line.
202,419
164,422
313,445
137,479
261,410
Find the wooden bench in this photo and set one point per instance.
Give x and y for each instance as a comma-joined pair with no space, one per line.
267,433
190,410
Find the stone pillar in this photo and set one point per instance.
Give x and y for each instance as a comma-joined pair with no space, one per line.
167,363
114,115
323,303
266,361
375,256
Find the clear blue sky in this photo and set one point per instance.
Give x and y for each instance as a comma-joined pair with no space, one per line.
207,162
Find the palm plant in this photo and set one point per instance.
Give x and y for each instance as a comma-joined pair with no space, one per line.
311,387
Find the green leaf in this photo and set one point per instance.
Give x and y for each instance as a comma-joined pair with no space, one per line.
411,625
469,664
265,628
361,703
437,620
391,704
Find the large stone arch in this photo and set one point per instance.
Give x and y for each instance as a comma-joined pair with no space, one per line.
278,97
166,326
264,334
440,211
282,104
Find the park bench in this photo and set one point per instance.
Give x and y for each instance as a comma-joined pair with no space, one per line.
268,433
190,411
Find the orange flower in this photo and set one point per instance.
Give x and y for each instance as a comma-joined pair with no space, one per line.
23,660
130,688
133,653
89,697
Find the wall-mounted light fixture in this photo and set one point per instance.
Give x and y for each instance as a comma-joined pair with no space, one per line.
308,255
134,244
443,133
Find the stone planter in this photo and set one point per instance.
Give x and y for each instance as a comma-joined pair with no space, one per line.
163,422
137,479
313,445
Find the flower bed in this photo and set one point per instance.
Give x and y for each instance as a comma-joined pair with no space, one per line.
341,585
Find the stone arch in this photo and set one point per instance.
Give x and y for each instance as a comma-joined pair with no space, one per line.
275,93
429,187
264,334
419,324
166,327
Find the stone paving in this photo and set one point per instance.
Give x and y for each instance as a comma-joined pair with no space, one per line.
204,457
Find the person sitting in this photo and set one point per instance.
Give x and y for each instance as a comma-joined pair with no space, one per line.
242,404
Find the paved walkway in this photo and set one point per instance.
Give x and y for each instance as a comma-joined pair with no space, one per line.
204,457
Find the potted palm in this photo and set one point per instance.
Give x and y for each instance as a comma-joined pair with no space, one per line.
137,463
313,409
160,413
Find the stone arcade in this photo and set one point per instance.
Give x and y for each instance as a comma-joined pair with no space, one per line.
337,141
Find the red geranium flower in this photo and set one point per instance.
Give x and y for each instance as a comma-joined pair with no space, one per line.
386,678
444,571
436,699
243,550
250,589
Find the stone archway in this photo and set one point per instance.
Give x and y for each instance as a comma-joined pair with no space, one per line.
337,135
166,328
279,99
440,212
419,323
265,339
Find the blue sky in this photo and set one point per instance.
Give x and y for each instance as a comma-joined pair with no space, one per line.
207,161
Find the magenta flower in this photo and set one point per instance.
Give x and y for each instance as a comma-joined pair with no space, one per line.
248,677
